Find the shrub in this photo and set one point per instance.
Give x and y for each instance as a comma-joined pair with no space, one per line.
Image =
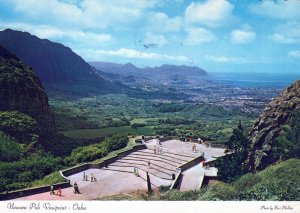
115,142
20,174
10,149
18,125
96,151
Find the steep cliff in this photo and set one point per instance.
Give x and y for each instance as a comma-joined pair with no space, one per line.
21,92
268,125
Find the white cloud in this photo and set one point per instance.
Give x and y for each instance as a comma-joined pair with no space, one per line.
199,35
131,53
212,13
155,39
277,9
288,33
85,14
160,22
225,59
242,36
294,54
48,32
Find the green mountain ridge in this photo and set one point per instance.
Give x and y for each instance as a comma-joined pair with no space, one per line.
59,68
24,104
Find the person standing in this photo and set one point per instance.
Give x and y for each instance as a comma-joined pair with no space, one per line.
59,191
76,189
160,149
93,179
84,178
149,164
154,149
52,190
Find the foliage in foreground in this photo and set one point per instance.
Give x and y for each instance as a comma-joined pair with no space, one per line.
288,143
231,166
20,174
277,182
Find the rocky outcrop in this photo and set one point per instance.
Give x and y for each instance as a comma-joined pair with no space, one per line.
22,91
267,127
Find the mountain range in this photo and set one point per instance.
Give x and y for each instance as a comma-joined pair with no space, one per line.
59,68
127,73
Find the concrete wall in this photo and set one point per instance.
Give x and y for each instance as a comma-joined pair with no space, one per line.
68,172
32,191
80,168
190,163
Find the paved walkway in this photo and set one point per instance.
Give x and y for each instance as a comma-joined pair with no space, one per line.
118,177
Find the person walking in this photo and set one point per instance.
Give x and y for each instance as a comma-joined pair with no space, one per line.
149,164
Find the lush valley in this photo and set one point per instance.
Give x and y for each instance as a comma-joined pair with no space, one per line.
90,115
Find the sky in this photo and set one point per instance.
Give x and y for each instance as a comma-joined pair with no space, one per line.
216,35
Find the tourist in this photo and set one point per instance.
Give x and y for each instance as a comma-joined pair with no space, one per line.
52,190
199,140
160,149
149,164
76,189
59,191
154,149
194,148
136,171
93,178
84,178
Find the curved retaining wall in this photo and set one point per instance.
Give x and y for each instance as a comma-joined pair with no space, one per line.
67,172
82,167
32,191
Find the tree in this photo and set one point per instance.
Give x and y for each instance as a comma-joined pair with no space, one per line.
231,166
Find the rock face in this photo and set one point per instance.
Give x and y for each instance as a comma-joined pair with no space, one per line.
267,127
21,90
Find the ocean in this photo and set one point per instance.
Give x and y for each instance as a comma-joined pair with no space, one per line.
265,80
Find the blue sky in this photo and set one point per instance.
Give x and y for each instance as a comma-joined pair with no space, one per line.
217,35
